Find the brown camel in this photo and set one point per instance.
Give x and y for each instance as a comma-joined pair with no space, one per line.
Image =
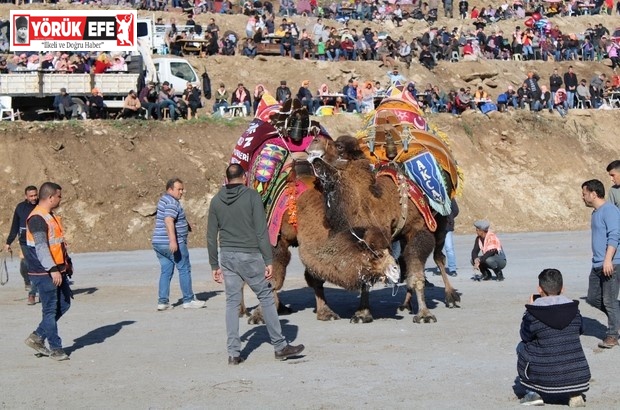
354,259
345,174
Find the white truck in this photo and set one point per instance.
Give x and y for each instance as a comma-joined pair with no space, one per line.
155,34
33,92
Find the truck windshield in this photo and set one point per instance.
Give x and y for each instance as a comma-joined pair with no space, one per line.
182,70
143,29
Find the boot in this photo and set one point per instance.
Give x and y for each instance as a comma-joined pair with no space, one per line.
486,275
500,275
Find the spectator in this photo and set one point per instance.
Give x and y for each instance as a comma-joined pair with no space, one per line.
191,97
287,45
131,107
560,102
305,96
487,253
241,96
571,83
550,355
524,97
333,50
395,76
64,103
165,100
426,58
249,48
555,83
597,88
95,104
221,98
259,91
306,46
463,8
148,100
583,94
283,93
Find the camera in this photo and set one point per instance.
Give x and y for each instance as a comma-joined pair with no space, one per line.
535,296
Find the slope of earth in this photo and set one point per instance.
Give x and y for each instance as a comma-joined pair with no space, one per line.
522,171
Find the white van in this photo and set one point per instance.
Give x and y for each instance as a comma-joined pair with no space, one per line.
155,34
177,72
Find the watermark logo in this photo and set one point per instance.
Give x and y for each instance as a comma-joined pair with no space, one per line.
83,30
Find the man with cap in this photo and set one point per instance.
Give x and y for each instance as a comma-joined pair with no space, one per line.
395,76
165,100
148,100
21,30
283,93
64,103
487,253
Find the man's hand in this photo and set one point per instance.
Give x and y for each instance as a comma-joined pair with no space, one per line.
56,278
268,272
608,268
174,246
7,247
477,264
217,275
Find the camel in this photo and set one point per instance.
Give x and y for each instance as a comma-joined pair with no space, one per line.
346,174
354,259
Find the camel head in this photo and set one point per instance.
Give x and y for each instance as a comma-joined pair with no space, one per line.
379,263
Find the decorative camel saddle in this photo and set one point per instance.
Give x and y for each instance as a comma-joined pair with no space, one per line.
272,149
396,146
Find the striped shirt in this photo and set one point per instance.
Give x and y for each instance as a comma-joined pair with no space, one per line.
169,206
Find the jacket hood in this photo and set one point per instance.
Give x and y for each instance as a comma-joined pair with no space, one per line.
556,312
231,193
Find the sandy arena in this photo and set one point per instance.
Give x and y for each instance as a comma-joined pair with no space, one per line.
126,355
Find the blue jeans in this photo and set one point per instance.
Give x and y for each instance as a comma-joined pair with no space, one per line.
603,295
237,268
216,106
171,109
167,260
448,249
570,98
55,301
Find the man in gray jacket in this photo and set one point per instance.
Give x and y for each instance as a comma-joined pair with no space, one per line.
237,219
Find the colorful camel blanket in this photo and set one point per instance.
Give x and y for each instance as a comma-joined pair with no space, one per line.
285,202
424,169
416,195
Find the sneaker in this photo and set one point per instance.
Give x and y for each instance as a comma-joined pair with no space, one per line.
164,306
31,300
59,355
27,287
37,343
608,342
234,361
532,399
194,304
452,273
289,351
577,401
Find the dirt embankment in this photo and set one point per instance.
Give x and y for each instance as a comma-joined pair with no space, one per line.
522,171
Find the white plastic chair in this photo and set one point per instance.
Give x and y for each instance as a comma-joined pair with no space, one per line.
455,57
6,108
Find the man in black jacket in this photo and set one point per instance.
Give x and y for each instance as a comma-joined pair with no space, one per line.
555,83
571,83
18,228
283,93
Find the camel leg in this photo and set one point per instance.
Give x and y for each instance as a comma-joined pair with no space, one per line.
452,297
323,311
416,253
243,310
363,315
281,259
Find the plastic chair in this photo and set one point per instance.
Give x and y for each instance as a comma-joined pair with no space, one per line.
455,57
517,57
6,108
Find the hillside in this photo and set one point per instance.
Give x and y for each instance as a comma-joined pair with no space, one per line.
522,170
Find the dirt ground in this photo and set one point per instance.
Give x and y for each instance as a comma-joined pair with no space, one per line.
126,355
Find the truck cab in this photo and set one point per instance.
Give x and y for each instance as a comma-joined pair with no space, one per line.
177,71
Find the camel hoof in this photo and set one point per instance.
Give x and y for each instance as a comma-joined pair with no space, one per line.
256,318
284,310
405,307
362,317
244,313
428,318
326,315
452,298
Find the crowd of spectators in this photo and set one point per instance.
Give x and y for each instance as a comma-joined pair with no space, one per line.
64,62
